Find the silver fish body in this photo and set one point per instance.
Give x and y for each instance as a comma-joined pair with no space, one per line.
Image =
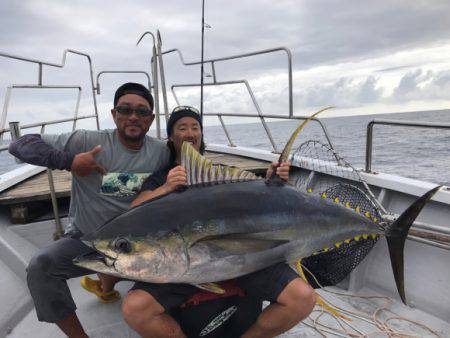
218,232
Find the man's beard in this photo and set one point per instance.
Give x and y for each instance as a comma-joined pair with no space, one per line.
129,138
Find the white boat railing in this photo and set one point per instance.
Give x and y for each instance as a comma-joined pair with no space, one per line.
40,64
413,124
213,61
15,128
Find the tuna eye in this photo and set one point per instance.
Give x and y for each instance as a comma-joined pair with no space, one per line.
122,245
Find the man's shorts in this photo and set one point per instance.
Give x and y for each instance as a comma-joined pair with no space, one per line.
266,284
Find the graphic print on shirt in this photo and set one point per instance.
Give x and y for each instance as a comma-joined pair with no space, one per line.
122,184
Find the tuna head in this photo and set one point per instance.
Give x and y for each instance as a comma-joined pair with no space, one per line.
159,259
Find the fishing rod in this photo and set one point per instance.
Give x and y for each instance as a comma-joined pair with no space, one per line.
201,67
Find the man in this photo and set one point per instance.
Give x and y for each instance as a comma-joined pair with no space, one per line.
125,153
146,307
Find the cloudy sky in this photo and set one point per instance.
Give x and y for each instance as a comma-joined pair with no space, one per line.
361,56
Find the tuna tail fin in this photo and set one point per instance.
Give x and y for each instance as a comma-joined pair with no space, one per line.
396,236
287,148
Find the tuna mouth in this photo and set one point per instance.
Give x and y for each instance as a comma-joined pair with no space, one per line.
96,256
91,256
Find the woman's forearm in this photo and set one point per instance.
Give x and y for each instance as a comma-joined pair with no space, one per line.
148,195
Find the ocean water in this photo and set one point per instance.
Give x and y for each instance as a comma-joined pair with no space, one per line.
418,153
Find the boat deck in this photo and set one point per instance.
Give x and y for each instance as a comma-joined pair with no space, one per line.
18,318
105,320
23,196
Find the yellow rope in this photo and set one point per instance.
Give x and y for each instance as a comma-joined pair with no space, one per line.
319,300
382,326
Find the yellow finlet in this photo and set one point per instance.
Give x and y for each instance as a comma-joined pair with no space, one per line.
367,214
357,238
347,241
347,204
324,195
374,236
358,209
336,199
309,190
211,287
338,244
326,249
375,219
365,236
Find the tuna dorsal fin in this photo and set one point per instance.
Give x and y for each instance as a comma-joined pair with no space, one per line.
200,170
287,148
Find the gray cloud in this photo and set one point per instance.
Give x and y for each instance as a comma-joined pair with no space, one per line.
345,93
318,32
423,85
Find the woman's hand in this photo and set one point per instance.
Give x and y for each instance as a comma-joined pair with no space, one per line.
282,170
175,177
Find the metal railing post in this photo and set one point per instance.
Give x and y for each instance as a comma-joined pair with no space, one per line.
14,129
154,66
258,109
91,73
58,226
369,146
77,106
5,110
174,96
154,71
213,69
231,144
162,76
269,135
40,74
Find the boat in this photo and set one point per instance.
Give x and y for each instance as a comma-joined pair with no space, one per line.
37,199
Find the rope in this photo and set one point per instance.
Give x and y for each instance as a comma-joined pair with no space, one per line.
339,315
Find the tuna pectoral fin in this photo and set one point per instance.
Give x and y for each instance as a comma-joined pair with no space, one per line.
239,244
396,236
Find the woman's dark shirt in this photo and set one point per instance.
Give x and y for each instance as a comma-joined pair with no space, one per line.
157,179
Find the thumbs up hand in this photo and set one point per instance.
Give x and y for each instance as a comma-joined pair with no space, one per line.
84,164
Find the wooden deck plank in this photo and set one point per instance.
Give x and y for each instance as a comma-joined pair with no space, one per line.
37,188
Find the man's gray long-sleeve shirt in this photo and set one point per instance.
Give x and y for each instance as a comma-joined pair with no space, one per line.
89,207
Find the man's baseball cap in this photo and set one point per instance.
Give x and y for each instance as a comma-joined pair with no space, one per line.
133,88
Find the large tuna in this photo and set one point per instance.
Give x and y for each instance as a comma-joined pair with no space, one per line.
233,226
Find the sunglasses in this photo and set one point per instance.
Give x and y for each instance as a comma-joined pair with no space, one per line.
139,111
180,108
